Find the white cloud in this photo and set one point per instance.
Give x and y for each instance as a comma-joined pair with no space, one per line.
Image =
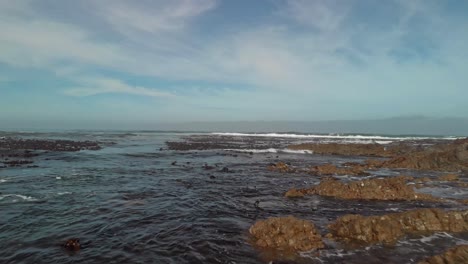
151,16
94,86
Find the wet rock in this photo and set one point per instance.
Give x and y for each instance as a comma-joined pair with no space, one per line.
294,193
281,167
225,170
446,157
286,233
390,188
456,255
208,167
449,177
387,229
330,169
72,244
51,145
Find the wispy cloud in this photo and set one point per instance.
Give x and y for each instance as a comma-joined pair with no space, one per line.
90,86
151,16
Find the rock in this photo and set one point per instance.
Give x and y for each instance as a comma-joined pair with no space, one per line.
449,177
41,144
447,157
225,169
281,167
72,244
208,167
286,233
389,228
456,255
330,169
389,188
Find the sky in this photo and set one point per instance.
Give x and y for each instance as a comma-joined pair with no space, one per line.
143,62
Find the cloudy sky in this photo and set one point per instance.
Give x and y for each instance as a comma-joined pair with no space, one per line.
148,61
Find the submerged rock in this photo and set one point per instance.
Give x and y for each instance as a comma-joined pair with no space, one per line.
449,177
391,188
458,254
389,228
72,244
286,233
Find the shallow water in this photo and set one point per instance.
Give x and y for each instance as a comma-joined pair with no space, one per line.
132,205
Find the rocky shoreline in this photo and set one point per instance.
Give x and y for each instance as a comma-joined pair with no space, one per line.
286,234
19,152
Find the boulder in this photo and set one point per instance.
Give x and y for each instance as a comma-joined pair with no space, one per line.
286,233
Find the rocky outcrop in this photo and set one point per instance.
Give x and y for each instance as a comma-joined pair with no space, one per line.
330,169
286,233
456,255
389,228
51,145
447,157
281,167
391,188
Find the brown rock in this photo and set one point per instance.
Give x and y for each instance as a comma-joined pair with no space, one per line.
449,177
390,188
448,157
456,255
330,169
389,228
286,233
294,193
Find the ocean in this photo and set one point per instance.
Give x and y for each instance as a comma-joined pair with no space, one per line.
179,197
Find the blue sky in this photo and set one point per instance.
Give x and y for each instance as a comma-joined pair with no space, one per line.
145,62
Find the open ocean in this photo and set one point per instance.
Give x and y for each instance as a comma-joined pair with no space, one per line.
136,201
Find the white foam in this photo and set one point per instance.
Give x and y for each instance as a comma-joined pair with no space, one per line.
63,193
58,177
18,197
2,180
330,136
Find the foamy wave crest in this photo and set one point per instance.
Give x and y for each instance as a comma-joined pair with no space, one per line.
330,136
271,150
3,180
17,198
